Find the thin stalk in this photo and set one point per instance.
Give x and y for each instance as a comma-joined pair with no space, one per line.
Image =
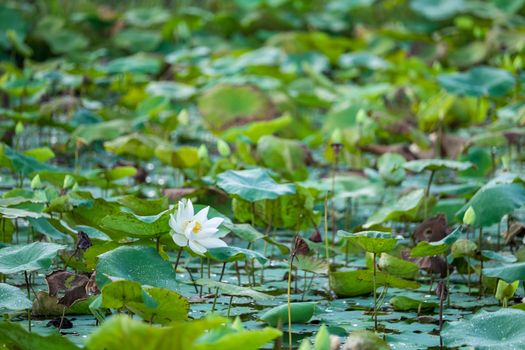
177,261
229,306
427,191
192,280
441,299
202,276
237,272
217,289
326,229
289,292
28,297
375,293
480,242
305,280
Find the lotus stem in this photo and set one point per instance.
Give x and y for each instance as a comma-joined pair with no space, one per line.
305,280
327,253
375,292
289,292
28,297
177,261
427,191
481,263
229,306
217,289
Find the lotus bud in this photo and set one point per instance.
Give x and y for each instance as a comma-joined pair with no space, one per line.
469,218
69,182
36,183
19,128
202,152
224,148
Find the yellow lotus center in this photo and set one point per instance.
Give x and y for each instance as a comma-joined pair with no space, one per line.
197,227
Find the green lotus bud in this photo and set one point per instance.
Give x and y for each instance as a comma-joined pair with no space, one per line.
361,116
337,136
202,153
224,148
75,187
36,183
469,218
183,117
19,128
505,291
69,181
462,248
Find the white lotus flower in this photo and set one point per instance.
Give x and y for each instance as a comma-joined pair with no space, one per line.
195,230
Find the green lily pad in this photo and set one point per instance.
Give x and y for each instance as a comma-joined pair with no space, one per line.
232,253
390,168
13,299
136,263
420,165
133,225
30,257
502,329
478,81
168,306
508,273
231,289
360,282
398,267
437,10
287,157
493,201
403,303
253,185
14,336
300,313
146,16
372,241
404,207
228,105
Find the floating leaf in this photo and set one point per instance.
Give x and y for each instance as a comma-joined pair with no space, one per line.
501,329
300,313
372,241
253,185
136,263
14,336
232,253
406,206
231,289
508,273
13,299
478,81
29,258
403,303
420,165
493,201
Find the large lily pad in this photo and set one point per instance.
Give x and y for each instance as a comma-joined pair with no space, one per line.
420,165
14,336
509,273
493,201
253,185
372,241
136,263
12,298
404,207
502,329
227,105
479,81
30,257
